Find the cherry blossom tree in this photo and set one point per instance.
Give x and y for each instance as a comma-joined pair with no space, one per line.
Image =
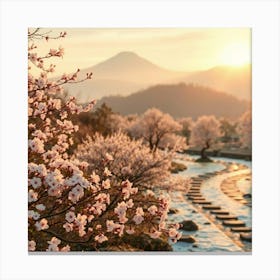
132,159
186,124
245,129
154,127
204,134
69,206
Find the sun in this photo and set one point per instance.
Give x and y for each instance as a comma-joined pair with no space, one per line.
235,54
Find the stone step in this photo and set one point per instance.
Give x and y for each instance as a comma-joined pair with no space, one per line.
197,181
197,178
219,212
211,207
226,217
203,202
194,189
194,194
196,198
241,229
236,223
246,237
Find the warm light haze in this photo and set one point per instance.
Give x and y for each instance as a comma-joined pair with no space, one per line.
179,49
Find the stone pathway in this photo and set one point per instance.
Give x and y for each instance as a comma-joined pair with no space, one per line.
230,188
231,225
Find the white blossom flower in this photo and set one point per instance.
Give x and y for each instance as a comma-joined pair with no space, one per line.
70,217
139,211
52,248
66,248
68,227
42,224
107,172
54,241
109,157
31,245
138,219
106,184
36,182
110,225
153,210
36,145
32,196
95,178
100,238
129,203
40,207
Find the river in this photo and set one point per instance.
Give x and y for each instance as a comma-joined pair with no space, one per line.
211,236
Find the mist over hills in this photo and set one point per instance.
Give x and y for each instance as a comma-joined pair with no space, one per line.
121,74
127,72
179,100
233,80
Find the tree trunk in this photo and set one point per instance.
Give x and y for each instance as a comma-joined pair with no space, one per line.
203,151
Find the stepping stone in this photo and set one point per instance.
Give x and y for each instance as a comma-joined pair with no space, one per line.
226,217
196,181
236,223
246,237
202,202
211,207
219,212
194,194
194,189
241,229
187,238
189,225
173,211
196,198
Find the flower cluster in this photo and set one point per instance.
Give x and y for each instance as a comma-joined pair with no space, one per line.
75,203
132,160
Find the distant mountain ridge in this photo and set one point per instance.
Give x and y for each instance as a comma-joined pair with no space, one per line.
128,72
233,80
122,74
179,100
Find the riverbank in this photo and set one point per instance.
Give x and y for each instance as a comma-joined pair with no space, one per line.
234,154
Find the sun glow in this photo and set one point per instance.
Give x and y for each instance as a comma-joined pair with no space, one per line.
235,55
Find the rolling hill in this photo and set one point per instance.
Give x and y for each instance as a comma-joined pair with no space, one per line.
179,100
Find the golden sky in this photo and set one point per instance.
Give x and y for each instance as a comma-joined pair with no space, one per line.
181,49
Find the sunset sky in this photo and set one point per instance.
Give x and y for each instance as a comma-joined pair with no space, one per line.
181,49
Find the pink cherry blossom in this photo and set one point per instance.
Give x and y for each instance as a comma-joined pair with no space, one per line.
31,245
42,224
100,238
70,217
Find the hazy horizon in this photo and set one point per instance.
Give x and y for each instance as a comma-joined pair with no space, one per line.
176,49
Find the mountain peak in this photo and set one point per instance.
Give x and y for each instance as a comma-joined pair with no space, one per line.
126,54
